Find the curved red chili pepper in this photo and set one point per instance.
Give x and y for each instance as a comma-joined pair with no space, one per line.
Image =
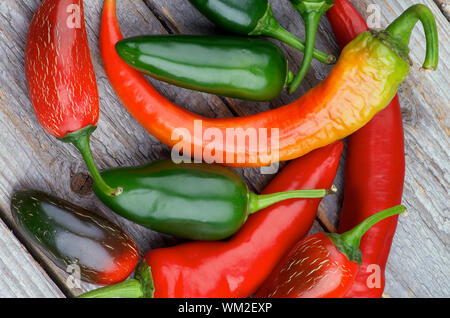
237,267
374,173
61,79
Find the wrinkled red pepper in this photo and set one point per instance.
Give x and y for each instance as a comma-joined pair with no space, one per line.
61,79
374,172
237,267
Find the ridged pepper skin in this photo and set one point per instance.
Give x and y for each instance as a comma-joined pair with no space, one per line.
59,71
237,67
314,268
362,83
71,235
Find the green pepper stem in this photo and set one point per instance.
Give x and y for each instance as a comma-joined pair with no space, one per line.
311,12
312,23
81,140
259,202
353,237
128,289
285,36
140,287
269,26
402,27
348,242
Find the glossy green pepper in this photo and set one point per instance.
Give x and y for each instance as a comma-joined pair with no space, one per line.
74,238
235,67
192,201
252,17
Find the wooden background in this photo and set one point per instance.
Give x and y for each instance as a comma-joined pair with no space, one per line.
419,265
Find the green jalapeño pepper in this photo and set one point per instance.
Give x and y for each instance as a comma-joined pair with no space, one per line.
252,17
192,201
244,68
76,240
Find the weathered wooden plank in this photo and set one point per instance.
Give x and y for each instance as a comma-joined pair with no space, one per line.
21,275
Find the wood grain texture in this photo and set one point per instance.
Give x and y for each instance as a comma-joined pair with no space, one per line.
21,275
29,158
444,5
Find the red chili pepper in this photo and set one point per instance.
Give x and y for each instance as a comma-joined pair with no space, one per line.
374,172
237,267
61,78
321,265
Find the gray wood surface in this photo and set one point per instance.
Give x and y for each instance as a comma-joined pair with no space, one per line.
21,275
418,265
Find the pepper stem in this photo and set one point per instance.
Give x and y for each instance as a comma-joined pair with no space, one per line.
285,36
269,26
128,289
80,139
402,27
348,242
311,30
259,202
311,12
140,287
